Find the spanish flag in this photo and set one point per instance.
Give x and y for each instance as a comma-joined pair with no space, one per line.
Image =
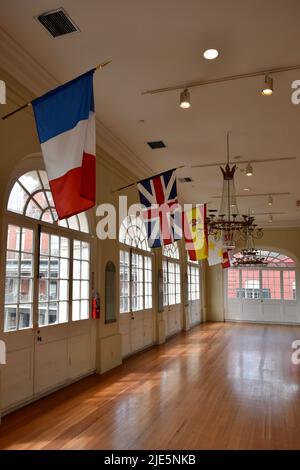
195,232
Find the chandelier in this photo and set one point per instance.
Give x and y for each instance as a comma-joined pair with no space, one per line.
228,225
249,256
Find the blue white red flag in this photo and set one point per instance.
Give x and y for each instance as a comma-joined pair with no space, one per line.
65,121
161,211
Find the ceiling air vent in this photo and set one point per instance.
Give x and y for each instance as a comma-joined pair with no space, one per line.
156,144
57,22
185,179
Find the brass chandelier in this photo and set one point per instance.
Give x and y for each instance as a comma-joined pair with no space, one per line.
249,256
229,225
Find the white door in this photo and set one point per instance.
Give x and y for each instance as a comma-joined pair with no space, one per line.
65,334
195,312
45,348
137,322
173,318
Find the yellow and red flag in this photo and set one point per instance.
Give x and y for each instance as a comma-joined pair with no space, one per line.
195,232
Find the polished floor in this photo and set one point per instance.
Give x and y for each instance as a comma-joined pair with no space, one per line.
219,386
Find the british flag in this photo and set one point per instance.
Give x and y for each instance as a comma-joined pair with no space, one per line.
161,211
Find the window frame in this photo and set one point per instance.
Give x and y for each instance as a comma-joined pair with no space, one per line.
171,290
144,254
262,289
24,221
191,266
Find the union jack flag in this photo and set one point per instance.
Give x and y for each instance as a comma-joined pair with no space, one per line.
161,211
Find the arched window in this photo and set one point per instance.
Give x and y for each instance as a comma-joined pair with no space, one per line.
133,233
135,266
171,274
193,279
62,247
31,196
275,280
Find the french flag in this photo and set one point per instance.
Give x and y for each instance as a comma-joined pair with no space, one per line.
65,120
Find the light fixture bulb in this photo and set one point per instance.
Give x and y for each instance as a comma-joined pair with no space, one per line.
268,86
270,200
185,99
210,54
249,170
270,218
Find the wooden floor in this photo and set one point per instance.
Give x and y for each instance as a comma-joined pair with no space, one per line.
220,386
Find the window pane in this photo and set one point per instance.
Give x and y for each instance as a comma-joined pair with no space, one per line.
289,285
25,316
12,264
27,240
76,269
17,199
44,244
64,268
30,181
10,318
25,290
33,210
76,290
64,247
271,288
84,289
63,312
11,290
81,271
54,245
85,266
63,290
43,290
13,237
76,310
84,313
54,280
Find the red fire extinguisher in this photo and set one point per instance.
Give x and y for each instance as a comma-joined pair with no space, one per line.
96,306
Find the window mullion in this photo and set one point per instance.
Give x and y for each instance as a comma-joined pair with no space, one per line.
36,276
70,283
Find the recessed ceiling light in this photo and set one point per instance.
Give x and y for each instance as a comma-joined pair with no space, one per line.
211,54
246,189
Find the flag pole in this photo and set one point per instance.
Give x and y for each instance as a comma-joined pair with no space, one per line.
26,105
133,184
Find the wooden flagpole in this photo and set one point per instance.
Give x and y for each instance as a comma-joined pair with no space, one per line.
133,184
26,105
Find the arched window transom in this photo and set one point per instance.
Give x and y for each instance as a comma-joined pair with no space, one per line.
31,196
133,233
171,251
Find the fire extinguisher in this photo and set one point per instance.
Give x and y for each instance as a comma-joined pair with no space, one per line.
96,305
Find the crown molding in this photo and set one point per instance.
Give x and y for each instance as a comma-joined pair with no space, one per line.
18,63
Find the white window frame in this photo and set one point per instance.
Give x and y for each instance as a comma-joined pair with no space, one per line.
258,291
21,220
136,246
171,275
194,287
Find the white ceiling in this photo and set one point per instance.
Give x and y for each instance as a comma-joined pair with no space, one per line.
158,43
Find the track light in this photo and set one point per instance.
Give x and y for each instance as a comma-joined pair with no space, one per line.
185,99
249,170
270,218
270,200
268,86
